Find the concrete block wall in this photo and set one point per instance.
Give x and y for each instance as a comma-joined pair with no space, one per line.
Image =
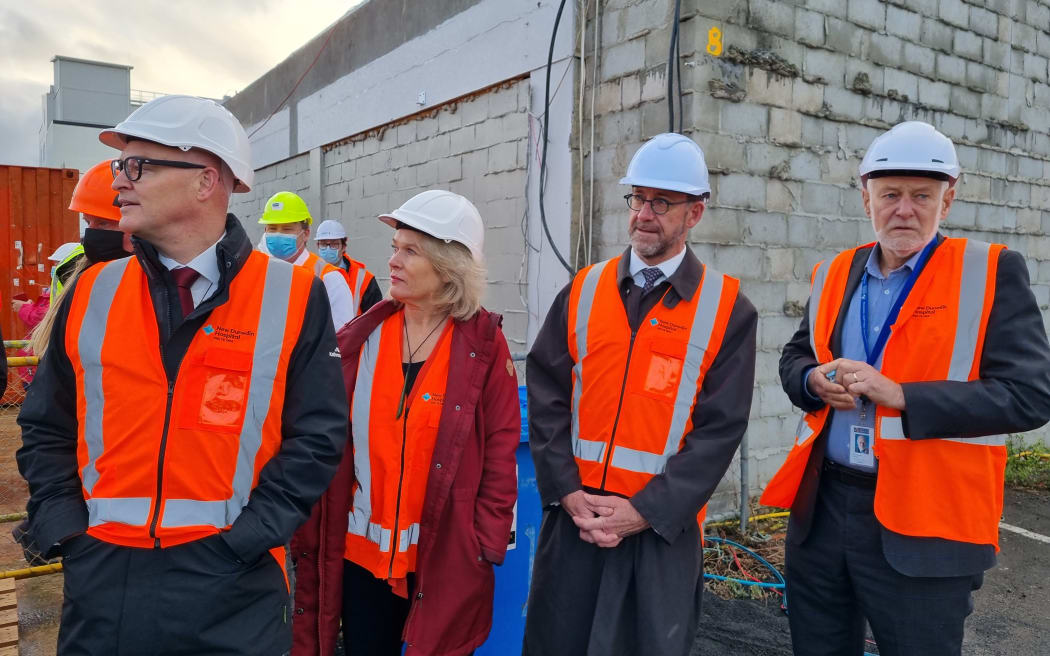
477,146
784,112
288,175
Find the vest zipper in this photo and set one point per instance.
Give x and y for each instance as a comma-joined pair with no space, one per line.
400,482
160,465
619,406
167,421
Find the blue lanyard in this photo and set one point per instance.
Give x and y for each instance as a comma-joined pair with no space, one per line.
874,352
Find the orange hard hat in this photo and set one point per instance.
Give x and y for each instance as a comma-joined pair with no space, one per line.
94,193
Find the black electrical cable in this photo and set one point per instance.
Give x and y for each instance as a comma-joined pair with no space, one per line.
671,57
678,61
546,122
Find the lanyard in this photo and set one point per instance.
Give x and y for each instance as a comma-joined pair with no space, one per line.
873,352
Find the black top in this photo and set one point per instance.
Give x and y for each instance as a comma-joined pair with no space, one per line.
410,371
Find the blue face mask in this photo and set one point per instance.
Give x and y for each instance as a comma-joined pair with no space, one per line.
330,255
282,246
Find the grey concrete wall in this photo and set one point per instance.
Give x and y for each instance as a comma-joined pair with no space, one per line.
784,115
290,175
477,147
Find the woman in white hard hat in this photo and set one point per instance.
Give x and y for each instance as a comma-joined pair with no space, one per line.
403,544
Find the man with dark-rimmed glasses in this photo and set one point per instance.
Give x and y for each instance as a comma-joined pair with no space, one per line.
639,385
175,436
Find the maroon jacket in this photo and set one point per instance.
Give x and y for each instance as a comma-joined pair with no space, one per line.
467,511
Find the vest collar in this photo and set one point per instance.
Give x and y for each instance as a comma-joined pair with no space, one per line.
231,253
684,281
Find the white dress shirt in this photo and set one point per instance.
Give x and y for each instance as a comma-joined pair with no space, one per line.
667,267
207,265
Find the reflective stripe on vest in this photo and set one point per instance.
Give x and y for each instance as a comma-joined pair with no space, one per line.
677,369
360,416
892,428
585,449
319,266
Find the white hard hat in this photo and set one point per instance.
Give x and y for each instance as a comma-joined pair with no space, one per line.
63,251
669,161
330,229
189,122
444,215
911,146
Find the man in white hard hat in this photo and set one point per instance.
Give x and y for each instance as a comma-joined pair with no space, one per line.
639,387
331,246
286,224
917,355
187,412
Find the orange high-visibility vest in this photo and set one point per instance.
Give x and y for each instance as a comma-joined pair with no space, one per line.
949,488
359,278
165,464
320,268
392,456
633,395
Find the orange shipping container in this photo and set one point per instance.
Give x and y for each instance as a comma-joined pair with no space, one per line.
34,221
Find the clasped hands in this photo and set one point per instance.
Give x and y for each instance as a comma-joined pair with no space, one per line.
603,520
851,379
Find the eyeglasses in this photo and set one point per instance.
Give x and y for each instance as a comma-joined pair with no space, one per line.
659,205
132,166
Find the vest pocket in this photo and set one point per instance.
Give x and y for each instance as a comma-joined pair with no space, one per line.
216,391
662,371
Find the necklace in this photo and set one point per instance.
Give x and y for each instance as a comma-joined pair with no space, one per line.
411,353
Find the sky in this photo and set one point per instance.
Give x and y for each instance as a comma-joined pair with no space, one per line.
207,48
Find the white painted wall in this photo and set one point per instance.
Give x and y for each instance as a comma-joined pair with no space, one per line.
75,147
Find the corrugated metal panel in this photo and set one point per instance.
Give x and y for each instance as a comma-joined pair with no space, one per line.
34,222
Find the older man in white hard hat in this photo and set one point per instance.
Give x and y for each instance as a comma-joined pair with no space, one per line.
639,386
918,354
187,413
331,246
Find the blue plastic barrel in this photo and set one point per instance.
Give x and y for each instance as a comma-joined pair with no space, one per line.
512,578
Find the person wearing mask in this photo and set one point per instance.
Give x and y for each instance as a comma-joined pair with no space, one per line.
918,353
187,413
401,547
103,241
640,384
331,246
286,231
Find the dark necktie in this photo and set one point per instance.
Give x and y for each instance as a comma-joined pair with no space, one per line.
651,274
184,278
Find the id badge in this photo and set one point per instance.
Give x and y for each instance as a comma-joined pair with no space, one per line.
860,446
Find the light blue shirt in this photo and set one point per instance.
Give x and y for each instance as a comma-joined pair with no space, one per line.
882,292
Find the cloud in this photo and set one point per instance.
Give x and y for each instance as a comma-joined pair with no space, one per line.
202,47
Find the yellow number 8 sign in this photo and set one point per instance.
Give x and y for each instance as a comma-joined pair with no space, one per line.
714,41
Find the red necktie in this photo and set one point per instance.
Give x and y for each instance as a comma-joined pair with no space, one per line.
184,278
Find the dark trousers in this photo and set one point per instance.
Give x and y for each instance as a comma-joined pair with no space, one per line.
189,600
373,616
839,576
640,598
